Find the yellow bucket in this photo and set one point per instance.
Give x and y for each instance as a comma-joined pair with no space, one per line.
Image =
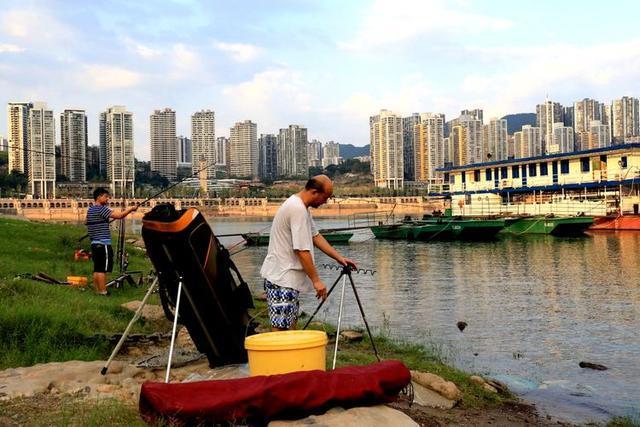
286,351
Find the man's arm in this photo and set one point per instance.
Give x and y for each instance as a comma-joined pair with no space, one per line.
310,270
122,214
321,243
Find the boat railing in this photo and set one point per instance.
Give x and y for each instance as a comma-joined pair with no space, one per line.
368,219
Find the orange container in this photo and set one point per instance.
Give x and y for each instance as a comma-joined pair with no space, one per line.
77,281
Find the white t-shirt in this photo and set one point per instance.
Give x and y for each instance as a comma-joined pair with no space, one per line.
292,229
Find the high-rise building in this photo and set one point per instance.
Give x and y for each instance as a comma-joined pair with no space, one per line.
73,145
408,145
18,135
222,151
268,156
519,149
568,116
476,113
468,142
387,158
314,153
496,141
164,152
331,154
4,144
531,141
563,139
584,112
429,149
203,141
184,151
448,151
547,114
93,161
625,119
116,142
243,150
292,152
42,151
599,136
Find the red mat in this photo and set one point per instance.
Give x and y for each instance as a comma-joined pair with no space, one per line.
262,398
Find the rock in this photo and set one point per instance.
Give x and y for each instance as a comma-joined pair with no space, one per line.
476,379
439,385
595,366
489,388
149,311
352,336
501,387
139,243
106,388
373,416
429,398
461,325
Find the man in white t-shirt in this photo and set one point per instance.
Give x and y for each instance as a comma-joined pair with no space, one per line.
289,266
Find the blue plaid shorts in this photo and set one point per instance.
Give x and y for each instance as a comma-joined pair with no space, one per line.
283,305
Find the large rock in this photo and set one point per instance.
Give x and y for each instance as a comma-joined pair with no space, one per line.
149,311
433,382
374,416
429,398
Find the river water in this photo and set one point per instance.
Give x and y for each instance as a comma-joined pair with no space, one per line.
536,307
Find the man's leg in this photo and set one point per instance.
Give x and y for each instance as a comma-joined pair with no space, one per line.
283,306
100,282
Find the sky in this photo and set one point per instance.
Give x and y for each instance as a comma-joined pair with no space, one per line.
324,64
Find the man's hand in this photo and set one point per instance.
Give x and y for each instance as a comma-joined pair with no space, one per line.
321,289
346,262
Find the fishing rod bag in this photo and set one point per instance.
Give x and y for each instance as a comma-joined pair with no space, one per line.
258,400
215,298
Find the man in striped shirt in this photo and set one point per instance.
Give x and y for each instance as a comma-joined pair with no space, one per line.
98,217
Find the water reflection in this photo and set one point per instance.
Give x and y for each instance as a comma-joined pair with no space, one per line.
536,306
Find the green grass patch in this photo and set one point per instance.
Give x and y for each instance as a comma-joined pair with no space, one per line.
68,410
45,323
628,421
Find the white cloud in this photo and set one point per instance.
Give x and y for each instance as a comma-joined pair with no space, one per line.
559,71
238,51
141,50
270,97
10,48
102,77
34,26
185,62
395,21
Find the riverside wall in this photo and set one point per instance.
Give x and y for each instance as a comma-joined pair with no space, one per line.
75,210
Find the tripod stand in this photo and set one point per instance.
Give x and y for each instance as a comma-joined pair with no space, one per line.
346,272
123,262
136,316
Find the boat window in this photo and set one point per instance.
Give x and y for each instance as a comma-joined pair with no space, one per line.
515,172
452,179
446,177
544,169
464,177
487,174
584,164
623,161
476,175
532,169
564,166
503,172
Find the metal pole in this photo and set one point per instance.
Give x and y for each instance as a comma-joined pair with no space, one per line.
322,302
335,350
364,318
173,333
126,331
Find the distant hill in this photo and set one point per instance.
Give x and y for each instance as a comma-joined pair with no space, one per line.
349,151
516,121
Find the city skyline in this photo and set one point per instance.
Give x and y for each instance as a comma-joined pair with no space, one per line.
322,69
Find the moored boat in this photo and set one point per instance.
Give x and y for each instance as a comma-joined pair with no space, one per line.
616,223
335,238
557,226
442,228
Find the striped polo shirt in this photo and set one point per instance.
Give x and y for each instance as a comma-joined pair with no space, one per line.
98,224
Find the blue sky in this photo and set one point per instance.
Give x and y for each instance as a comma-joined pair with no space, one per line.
327,65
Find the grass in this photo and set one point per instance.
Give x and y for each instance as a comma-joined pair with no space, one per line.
628,421
44,323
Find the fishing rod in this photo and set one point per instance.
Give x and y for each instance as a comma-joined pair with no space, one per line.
162,191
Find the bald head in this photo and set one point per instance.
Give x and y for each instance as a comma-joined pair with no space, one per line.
317,190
